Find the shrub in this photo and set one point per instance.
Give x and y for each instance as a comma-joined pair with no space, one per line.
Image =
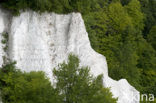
19,87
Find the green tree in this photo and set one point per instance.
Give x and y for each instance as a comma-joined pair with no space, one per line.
151,37
18,87
76,85
147,67
134,11
149,9
115,31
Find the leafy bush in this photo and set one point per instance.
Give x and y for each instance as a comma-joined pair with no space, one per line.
4,41
19,87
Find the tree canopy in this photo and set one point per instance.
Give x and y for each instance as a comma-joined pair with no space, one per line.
77,85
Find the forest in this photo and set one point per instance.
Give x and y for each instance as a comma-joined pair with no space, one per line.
122,30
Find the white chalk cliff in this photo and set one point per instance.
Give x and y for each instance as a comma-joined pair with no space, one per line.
38,42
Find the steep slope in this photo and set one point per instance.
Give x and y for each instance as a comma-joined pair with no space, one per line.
41,41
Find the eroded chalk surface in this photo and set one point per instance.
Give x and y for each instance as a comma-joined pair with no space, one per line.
38,42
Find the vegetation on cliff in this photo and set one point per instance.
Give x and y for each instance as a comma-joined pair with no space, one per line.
122,30
74,85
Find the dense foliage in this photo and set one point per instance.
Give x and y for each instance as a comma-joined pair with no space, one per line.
118,32
74,85
18,87
122,30
58,6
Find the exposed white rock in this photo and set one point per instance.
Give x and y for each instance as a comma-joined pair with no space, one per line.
4,26
38,42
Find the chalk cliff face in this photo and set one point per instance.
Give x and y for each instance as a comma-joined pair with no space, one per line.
38,42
